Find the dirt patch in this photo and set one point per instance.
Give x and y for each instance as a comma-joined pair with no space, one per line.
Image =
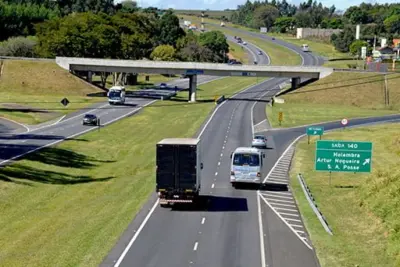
230,56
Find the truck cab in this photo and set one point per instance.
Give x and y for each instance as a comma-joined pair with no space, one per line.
246,165
305,47
116,95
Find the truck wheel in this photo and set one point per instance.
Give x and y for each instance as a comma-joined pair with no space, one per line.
233,185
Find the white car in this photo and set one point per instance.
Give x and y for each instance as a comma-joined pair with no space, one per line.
259,141
244,43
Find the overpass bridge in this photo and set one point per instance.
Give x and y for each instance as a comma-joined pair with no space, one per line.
192,69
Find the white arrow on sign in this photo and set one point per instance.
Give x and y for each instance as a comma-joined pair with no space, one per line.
366,161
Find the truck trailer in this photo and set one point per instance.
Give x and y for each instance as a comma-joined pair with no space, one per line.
178,170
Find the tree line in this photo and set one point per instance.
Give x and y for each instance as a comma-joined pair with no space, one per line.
280,16
99,29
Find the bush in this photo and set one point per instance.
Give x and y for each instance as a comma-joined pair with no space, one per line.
18,47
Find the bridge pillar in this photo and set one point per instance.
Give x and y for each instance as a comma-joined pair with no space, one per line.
192,88
89,76
295,82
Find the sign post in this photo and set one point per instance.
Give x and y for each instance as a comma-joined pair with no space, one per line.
280,117
343,156
315,131
344,122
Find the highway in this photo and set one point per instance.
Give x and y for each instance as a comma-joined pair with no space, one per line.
226,231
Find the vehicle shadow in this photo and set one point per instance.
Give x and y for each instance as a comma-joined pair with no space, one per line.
213,204
262,187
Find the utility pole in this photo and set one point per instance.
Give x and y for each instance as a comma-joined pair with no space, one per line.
386,92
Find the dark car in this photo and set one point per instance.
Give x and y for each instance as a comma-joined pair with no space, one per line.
234,62
90,119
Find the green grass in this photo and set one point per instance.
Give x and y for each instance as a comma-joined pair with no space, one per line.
362,209
345,64
68,205
337,96
238,52
32,85
142,83
279,55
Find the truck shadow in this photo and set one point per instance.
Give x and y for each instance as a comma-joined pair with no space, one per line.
263,187
213,204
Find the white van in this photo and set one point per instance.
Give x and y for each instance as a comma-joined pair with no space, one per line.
246,165
116,95
304,47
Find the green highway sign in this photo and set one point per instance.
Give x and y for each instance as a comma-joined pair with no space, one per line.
343,156
315,130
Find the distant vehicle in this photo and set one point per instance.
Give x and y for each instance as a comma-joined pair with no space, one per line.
244,43
255,63
222,24
305,47
259,52
178,170
259,141
187,23
273,38
116,95
234,62
163,85
246,165
90,119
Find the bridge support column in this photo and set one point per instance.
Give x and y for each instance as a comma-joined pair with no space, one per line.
89,76
192,88
295,82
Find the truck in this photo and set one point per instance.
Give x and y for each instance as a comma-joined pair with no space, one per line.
187,23
178,170
116,95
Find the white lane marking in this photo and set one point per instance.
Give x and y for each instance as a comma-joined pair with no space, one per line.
216,173
284,205
219,163
278,196
278,193
195,246
278,200
260,122
260,225
293,210
290,219
203,220
288,214
223,147
136,234
16,122
283,219
221,155
212,186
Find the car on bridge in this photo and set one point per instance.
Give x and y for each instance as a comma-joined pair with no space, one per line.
90,119
259,141
234,62
260,52
163,85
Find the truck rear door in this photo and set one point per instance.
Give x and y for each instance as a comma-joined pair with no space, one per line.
186,169
165,175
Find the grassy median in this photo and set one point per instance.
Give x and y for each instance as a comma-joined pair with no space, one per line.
238,52
279,55
31,91
68,205
362,209
339,95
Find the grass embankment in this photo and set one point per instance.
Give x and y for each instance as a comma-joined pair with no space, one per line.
337,96
68,205
237,52
362,209
31,91
279,55
141,82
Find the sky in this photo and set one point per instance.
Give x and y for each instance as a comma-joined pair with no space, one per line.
232,4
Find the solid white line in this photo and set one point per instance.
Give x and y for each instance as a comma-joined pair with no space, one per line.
260,122
16,122
260,225
297,225
278,180
136,234
195,246
290,219
286,209
203,220
284,197
291,228
212,186
288,214
279,193
284,205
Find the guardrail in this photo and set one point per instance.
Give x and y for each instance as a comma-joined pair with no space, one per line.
313,205
356,70
219,100
28,58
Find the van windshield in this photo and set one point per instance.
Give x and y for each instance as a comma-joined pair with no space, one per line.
246,159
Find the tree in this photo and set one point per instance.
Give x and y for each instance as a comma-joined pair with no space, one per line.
163,53
216,42
282,24
343,40
169,29
392,24
355,47
264,16
18,47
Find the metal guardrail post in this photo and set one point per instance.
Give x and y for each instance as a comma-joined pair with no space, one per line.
311,200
